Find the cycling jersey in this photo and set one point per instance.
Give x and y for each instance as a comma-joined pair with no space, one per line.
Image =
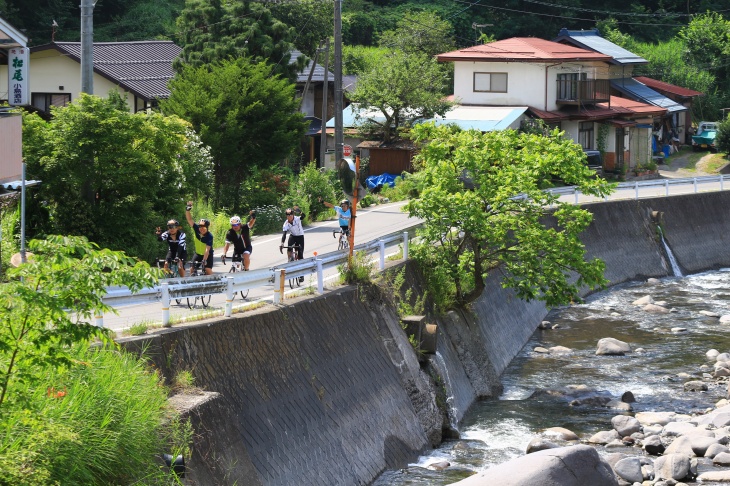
294,228
177,247
241,240
202,241
344,216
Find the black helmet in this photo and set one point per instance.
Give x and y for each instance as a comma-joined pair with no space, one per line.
206,222
344,201
173,222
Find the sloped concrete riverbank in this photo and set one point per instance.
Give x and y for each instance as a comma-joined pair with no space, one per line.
329,390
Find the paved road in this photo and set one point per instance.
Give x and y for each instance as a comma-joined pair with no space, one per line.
372,223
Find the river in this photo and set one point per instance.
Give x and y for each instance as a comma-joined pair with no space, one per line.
496,430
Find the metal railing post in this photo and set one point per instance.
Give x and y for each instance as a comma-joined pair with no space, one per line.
636,189
575,191
99,320
694,181
279,279
381,244
229,296
405,245
666,187
722,181
320,276
165,304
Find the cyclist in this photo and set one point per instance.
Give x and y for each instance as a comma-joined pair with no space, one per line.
240,237
176,245
203,240
344,214
293,226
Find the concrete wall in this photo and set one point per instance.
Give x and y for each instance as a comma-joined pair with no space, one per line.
329,391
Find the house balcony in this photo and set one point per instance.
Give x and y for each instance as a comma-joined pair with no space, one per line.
575,92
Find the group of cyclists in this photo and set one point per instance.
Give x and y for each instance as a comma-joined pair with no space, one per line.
238,236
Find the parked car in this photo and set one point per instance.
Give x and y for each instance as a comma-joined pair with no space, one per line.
705,138
594,160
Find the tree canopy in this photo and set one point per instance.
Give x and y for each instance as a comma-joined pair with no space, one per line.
110,175
246,115
215,30
484,208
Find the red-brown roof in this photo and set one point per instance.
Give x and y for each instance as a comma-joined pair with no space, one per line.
626,106
620,108
522,49
666,87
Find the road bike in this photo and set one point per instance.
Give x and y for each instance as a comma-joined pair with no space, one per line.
195,271
291,252
344,242
173,271
237,266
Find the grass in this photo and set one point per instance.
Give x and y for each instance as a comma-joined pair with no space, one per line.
716,162
99,422
139,328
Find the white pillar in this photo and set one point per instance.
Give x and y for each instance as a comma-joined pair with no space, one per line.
405,245
165,304
229,296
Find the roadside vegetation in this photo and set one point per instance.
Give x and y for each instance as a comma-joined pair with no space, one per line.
74,409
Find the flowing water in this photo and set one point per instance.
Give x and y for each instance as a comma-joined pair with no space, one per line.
498,430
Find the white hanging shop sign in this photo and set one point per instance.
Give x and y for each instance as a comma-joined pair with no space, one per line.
18,87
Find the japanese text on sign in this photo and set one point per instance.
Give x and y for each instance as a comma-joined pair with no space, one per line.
18,76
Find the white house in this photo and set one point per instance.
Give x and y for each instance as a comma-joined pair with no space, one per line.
566,86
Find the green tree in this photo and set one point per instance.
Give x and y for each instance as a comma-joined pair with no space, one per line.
37,329
124,24
483,208
108,174
722,139
404,89
420,33
246,115
216,30
313,21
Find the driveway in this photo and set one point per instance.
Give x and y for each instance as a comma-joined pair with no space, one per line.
676,166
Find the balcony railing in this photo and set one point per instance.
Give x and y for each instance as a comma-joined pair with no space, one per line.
573,91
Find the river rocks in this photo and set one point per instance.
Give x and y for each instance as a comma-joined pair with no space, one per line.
723,357
656,309
701,444
695,386
678,330
709,313
672,466
681,446
722,459
725,319
539,444
629,469
717,476
604,437
643,301
673,429
541,350
560,350
544,325
655,418
628,397
625,425
439,466
561,433
578,465
653,445
712,353
714,450
612,347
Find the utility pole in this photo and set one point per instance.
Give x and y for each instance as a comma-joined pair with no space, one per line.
87,46
325,88
339,138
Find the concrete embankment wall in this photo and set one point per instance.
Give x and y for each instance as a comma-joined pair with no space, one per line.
329,391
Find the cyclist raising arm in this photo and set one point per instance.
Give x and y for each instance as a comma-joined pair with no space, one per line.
203,241
176,245
240,237
343,213
293,226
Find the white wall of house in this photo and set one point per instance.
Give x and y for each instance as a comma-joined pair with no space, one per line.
11,141
526,82
51,72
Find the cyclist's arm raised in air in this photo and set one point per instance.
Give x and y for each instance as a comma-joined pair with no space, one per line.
189,216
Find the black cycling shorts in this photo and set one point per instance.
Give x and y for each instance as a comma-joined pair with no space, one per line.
199,258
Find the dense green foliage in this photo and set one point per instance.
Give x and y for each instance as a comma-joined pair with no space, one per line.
110,175
473,222
246,115
722,139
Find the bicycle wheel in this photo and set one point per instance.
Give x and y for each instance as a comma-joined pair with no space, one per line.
175,274
192,301
343,244
205,300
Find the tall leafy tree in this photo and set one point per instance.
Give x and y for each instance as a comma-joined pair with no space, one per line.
107,174
483,209
247,116
420,32
214,30
312,20
402,90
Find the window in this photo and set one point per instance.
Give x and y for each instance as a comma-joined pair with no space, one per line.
585,135
44,101
568,85
490,82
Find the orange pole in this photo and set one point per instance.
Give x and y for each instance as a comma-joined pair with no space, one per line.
353,209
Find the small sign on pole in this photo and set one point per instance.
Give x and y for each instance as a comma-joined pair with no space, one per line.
347,150
18,93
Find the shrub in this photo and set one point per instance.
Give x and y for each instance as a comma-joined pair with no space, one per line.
269,219
311,184
367,201
407,186
357,269
722,139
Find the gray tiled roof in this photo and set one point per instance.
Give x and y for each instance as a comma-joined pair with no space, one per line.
317,76
592,40
144,68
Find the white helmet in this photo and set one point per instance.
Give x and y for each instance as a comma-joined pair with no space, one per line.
235,220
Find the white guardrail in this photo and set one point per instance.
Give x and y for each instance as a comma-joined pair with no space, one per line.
181,288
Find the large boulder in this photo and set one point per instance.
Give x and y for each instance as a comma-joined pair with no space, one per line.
672,466
612,346
577,465
625,425
629,469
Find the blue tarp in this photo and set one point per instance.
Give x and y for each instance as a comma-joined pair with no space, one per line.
381,180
